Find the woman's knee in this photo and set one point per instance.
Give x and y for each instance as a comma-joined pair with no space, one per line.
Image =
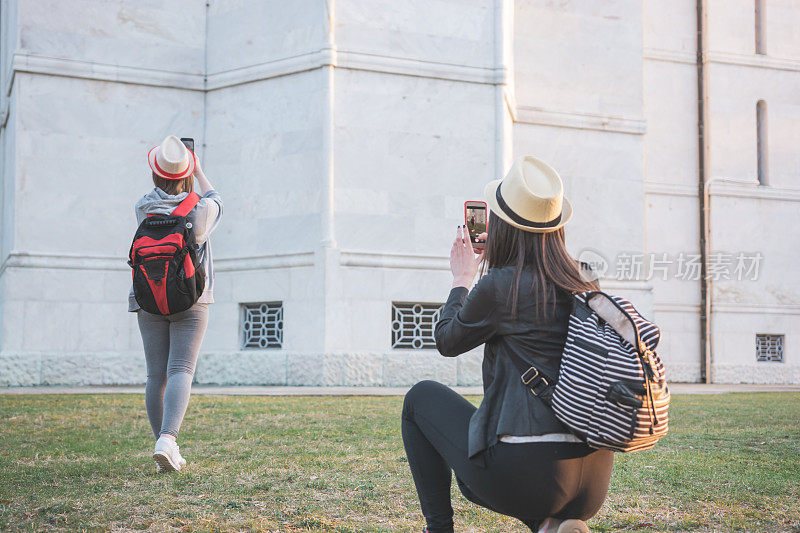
425,387
181,367
156,382
156,375
420,392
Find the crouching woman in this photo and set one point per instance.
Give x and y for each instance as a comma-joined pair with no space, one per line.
511,454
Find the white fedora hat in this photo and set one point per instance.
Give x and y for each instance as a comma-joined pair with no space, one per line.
171,159
530,197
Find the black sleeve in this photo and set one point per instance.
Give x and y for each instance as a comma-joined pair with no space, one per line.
468,319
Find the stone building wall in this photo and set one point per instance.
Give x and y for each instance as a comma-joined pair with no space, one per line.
744,216
344,137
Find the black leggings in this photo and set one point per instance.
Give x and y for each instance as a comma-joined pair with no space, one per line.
529,481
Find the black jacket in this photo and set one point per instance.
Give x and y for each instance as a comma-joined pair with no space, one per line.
471,318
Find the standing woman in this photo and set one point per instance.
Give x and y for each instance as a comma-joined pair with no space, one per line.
511,454
172,342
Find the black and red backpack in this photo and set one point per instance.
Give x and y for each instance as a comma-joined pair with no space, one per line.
167,275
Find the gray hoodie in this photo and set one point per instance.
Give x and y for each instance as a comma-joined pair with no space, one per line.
204,218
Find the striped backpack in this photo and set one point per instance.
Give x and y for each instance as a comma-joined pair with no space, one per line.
611,389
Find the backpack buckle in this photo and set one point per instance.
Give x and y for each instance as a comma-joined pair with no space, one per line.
541,382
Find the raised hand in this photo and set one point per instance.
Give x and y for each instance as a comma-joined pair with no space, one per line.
463,261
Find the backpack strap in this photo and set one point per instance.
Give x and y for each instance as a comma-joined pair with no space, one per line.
541,386
186,205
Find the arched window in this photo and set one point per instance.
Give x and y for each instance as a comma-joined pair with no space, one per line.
761,27
761,141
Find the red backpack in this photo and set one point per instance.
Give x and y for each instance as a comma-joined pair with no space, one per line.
167,275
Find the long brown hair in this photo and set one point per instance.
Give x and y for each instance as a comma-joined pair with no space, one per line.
544,254
174,186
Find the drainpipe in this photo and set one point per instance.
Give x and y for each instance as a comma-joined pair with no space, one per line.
705,213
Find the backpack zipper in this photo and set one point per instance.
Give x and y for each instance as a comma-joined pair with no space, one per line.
138,253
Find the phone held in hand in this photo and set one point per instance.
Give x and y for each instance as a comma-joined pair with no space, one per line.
475,219
188,142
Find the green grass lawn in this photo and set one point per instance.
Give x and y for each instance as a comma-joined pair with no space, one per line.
730,462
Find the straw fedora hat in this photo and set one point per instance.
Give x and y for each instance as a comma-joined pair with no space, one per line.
530,197
171,159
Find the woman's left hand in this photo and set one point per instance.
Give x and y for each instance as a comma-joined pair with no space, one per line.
463,261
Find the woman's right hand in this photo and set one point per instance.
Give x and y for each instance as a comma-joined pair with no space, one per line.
463,262
202,180
198,168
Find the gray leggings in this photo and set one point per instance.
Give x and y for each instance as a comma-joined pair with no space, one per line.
171,346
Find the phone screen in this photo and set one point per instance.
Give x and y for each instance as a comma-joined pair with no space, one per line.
475,219
188,142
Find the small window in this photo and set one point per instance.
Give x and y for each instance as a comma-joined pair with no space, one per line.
761,141
262,325
413,325
769,347
761,27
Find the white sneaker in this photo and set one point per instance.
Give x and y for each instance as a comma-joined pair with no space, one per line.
554,525
167,455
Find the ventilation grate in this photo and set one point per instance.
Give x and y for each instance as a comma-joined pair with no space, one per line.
413,325
262,325
769,347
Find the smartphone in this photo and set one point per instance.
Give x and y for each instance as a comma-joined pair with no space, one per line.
475,218
188,142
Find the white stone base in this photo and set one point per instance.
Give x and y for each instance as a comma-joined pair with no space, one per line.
773,373
683,372
250,367
278,367
392,369
92,368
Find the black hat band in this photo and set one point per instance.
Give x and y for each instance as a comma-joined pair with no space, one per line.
522,221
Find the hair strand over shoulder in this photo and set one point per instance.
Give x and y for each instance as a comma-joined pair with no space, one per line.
543,254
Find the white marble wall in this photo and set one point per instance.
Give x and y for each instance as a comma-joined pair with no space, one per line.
406,156
344,143
744,218
732,29
748,217
244,35
671,176
76,146
147,34
418,30
403,157
580,107
8,40
560,64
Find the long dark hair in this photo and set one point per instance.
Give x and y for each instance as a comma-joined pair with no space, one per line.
174,186
544,254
